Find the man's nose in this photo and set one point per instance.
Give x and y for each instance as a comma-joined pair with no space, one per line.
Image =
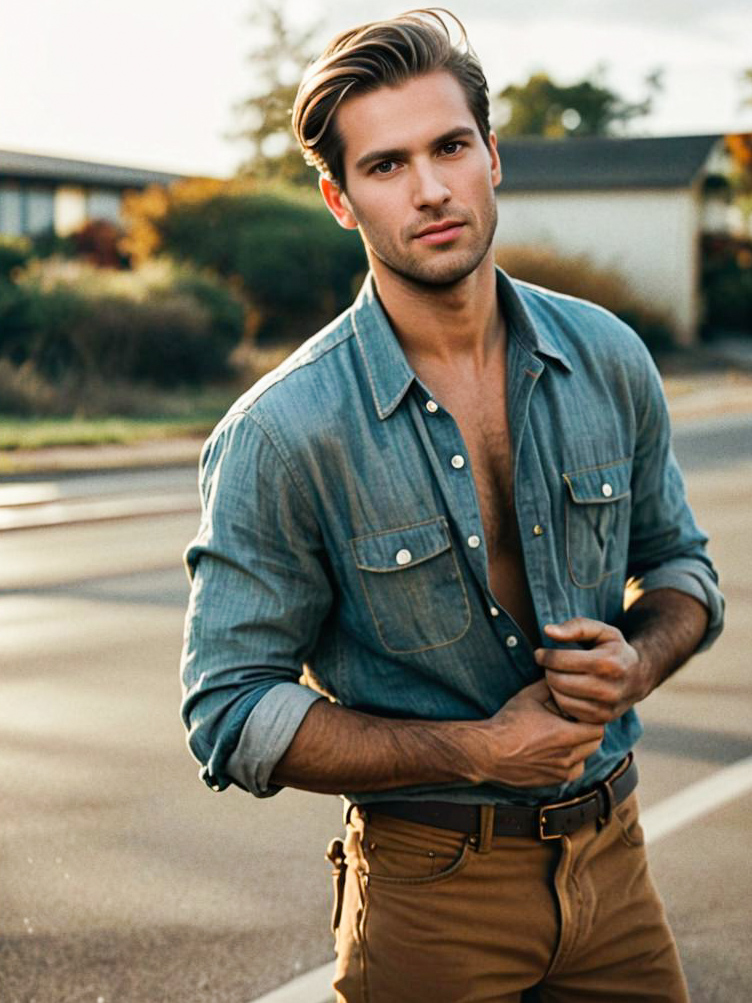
429,187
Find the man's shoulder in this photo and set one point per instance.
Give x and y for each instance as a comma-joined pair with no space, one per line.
576,320
291,393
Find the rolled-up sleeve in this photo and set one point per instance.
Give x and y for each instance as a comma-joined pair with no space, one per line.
260,593
667,549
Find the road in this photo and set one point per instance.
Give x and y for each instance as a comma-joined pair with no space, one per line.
123,880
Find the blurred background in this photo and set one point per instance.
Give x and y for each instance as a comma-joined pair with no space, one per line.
162,245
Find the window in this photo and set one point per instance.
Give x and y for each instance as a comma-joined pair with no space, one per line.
103,203
10,209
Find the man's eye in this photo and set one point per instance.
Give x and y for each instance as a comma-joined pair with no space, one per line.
384,167
453,147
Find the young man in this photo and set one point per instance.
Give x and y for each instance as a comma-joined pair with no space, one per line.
436,504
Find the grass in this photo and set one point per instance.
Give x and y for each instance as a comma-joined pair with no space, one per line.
36,433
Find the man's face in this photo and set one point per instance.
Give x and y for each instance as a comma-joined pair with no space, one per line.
419,180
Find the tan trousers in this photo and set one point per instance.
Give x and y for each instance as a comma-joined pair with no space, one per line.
423,916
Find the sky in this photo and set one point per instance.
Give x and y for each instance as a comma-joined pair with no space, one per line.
152,83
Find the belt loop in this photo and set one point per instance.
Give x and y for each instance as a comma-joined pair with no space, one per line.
485,828
347,810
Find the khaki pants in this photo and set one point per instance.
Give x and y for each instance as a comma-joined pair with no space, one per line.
423,916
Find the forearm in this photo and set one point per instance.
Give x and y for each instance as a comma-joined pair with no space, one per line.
336,750
665,627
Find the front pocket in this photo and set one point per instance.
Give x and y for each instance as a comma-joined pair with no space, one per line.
597,516
413,586
407,853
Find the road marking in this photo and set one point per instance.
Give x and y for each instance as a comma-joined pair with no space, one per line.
313,987
697,799
662,819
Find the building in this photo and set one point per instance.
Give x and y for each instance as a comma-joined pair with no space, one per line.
39,193
636,206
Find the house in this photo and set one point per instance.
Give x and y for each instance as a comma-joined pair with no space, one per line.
636,206
39,193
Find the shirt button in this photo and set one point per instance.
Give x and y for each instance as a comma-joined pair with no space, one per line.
432,406
607,490
494,611
473,541
458,462
403,557
537,530
512,641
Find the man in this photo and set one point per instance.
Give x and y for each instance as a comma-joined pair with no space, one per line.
435,504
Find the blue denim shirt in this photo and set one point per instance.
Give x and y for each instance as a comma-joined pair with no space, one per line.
335,530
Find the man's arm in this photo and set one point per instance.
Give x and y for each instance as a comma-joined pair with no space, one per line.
620,665
522,745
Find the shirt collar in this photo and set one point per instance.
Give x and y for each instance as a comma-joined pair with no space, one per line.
390,374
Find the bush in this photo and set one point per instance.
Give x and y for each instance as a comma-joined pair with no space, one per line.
162,324
577,276
727,285
14,253
297,267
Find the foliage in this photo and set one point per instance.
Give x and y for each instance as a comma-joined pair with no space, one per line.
98,243
543,107
14,252
279,245
162,324
727,285
278,62
577,276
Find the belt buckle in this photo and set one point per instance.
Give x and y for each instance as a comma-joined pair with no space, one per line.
549,807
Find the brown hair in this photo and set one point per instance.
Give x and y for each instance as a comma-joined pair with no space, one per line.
380,54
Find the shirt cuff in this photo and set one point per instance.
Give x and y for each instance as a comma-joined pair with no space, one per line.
693,583
266,734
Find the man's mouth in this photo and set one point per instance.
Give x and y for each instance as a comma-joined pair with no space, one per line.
440,233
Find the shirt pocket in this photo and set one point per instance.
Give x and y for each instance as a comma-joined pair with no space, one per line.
413,586
597,521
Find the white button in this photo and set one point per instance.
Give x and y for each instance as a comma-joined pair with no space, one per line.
512,641
537,530
607,490
403,557
458,462
432,406
493,611
473,541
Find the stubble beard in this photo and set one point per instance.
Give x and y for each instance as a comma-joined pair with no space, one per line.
446,266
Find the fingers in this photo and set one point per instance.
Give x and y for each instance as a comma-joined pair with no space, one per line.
581,629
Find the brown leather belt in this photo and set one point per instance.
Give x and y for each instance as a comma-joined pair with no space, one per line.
549,821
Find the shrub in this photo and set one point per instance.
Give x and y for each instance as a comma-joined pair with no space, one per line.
163,324
296,266
577,276
14,252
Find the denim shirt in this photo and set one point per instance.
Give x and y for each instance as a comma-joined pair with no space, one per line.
340,529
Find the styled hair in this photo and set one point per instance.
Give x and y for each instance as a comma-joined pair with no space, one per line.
381,54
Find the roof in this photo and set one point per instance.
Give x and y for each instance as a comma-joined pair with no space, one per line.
536,164
34,167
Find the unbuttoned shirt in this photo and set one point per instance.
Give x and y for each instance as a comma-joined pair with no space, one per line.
341,529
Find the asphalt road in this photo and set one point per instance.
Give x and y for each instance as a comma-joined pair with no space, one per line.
123,880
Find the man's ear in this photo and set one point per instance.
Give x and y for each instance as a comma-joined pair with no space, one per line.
495,159
337,203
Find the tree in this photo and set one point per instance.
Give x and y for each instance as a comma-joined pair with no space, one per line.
277,63
542,107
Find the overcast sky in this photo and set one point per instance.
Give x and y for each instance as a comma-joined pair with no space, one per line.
152,82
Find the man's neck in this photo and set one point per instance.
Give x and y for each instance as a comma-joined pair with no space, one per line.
441,325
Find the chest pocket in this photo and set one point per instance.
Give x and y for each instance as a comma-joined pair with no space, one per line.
413,586
597,518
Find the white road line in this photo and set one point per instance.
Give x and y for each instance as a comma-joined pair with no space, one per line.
313,987
697,799
659,821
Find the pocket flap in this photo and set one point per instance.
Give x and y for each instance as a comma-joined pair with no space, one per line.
597,485
397,549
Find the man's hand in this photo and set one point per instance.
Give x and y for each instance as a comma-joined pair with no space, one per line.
598,682
528,744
